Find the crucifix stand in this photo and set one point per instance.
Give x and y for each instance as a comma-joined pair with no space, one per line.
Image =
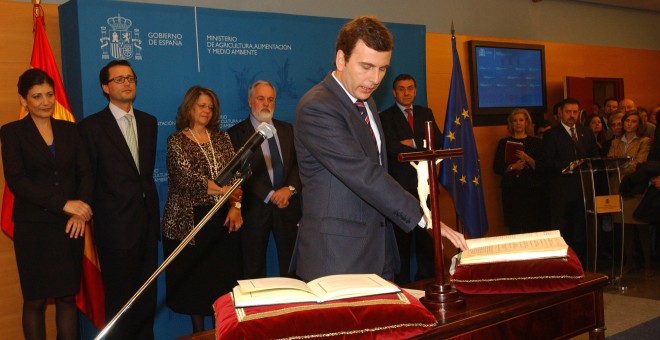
439,296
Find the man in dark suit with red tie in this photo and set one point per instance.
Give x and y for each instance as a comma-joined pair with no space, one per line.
405,130
566,142
121,142
271,197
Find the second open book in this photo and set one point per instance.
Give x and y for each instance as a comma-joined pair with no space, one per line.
540,245
278,290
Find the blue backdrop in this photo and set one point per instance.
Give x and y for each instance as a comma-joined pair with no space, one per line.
174,47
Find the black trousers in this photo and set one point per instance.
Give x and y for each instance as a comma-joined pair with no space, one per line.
124,271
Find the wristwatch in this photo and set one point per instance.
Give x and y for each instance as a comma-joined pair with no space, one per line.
293,190
237,205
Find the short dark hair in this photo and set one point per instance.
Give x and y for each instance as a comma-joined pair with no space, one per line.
370,30
183,118
555,108
31,78
569,100
609,100
401,77
104,74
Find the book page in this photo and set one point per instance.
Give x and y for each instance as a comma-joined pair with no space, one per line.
522,250
487,241
350,285
267,283
270,297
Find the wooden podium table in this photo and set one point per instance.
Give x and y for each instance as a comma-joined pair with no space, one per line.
557,315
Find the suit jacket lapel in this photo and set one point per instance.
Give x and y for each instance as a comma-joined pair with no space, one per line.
142,130
379,126
116,137
34,137
63,144
285,139
258,163
354,118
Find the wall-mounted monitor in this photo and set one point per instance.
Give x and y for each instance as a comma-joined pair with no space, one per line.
505,76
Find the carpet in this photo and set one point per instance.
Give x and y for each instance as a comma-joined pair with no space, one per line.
626,313
647,330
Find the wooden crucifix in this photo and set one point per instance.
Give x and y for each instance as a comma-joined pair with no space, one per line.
439,296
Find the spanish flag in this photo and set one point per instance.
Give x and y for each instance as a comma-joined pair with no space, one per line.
90,297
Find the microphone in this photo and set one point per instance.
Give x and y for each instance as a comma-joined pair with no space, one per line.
264,131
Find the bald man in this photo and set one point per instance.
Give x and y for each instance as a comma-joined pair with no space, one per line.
626,105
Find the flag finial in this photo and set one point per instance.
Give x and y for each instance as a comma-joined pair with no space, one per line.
452,28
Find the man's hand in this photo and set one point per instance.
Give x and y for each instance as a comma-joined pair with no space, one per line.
455,237
656,181
281,197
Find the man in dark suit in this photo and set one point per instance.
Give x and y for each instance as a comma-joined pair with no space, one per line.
343,167
121,142
563,144
270,196
405,131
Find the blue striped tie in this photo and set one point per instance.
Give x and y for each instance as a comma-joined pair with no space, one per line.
276,163
365,116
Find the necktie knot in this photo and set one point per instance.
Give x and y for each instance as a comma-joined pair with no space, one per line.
363,111
573,134
365,117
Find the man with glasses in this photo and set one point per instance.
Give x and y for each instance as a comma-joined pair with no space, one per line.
121,142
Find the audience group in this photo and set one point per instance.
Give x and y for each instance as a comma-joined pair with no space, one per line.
548,161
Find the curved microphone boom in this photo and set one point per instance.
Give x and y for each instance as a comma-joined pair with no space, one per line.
264,131
237,164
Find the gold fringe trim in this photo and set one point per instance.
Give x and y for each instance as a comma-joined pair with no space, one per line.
242,316
520,278
360,331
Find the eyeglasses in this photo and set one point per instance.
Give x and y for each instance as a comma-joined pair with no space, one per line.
121,79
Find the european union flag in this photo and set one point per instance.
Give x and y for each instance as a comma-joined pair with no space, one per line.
462,176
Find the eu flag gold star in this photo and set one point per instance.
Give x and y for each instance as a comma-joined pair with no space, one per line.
463,179
475,180
465,114
451,136
454,168
457,121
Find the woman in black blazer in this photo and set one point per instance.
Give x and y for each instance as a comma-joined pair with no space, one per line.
48,171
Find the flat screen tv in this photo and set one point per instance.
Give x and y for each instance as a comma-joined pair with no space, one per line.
505,76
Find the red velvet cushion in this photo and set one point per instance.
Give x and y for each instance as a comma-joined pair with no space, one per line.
530,276
390,316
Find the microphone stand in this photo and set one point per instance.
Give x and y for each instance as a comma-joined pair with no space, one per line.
244,173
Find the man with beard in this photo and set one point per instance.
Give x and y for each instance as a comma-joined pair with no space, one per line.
271,201
563,144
